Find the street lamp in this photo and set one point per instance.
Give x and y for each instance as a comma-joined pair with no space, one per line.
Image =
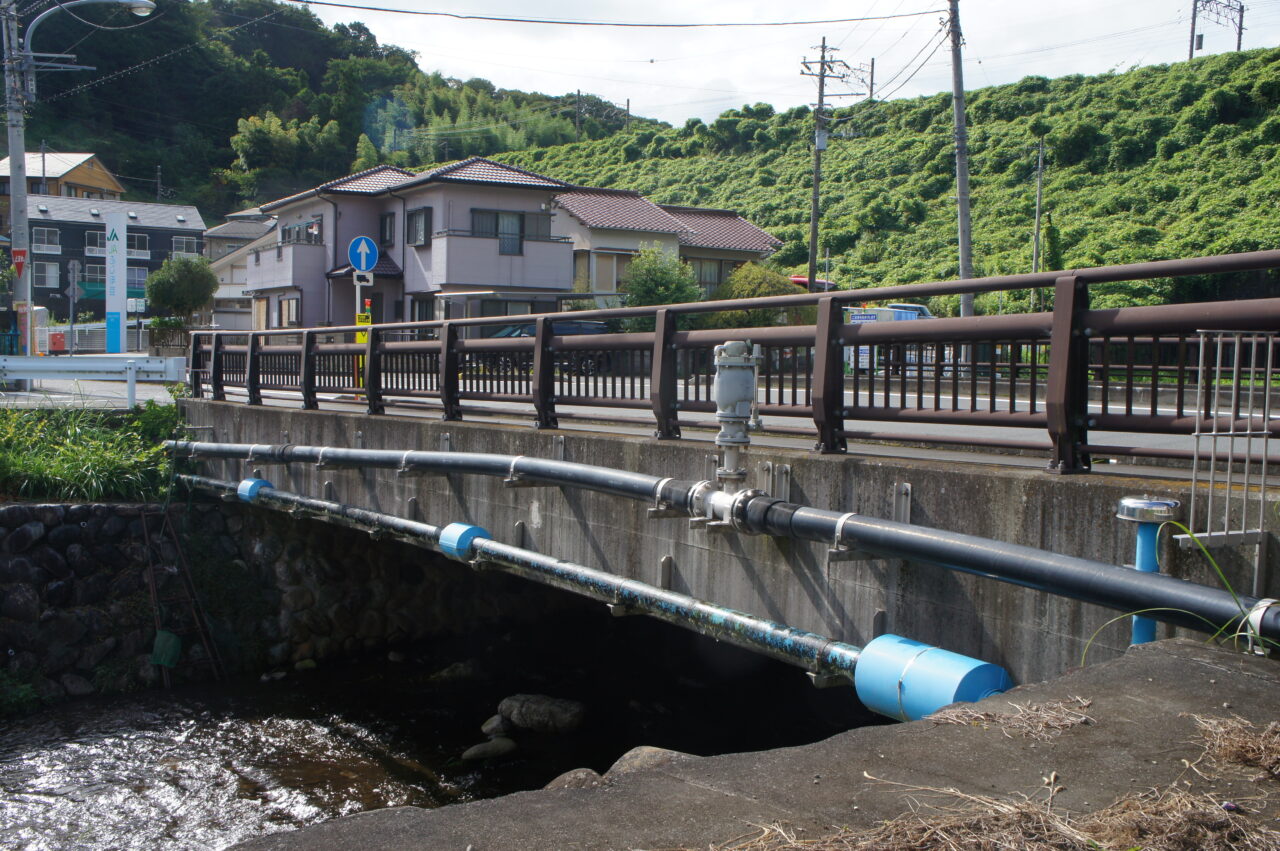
20,65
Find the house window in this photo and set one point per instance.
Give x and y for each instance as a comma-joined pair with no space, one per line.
44,274
424,308
47,240
137,241
68,190
306,233
387,229
510,228
189,245
94,273
4,187
289,312
96,239
418,226
137,276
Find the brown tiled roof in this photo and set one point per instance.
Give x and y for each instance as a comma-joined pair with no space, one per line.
481,170
384,268
371,181
707,228
617,209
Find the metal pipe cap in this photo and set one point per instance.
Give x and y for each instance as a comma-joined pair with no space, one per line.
1145,509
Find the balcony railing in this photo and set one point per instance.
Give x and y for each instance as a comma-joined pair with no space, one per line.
1065,375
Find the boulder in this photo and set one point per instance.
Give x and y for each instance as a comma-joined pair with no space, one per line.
49,515
497,726
51,562
57,593
64,535
543,714
20,602
16,569
488,750
642,758
79,559
63,628
92,656
24,537
578,778
47,689
76,685
113,526
15,515
297,598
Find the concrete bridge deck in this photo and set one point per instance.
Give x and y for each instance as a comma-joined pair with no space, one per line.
1142,737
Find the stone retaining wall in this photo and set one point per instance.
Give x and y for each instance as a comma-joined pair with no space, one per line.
76,615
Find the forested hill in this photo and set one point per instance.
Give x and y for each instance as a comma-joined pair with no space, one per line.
242,101
1157,162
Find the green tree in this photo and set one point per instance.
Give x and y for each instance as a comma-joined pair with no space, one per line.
752,280
656,276
182,286
366,154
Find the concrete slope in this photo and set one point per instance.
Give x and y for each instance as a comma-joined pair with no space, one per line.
1141,736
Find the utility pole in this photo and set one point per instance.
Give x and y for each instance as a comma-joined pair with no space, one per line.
962,158
20,242
159,186
1225,12
44,168
866,74
577,116
827,69
626,122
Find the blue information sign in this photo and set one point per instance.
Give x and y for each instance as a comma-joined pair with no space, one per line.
362,253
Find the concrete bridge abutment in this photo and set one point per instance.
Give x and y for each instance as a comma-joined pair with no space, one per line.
1032,634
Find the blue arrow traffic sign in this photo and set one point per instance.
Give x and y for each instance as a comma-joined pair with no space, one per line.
363,253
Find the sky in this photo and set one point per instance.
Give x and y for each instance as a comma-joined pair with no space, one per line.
675,74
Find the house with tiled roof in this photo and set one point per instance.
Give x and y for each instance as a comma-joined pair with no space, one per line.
608,226
471,238
70,175
475,230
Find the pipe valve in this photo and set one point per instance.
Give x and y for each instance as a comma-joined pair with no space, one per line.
734,390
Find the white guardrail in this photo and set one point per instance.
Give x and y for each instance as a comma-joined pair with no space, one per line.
95,368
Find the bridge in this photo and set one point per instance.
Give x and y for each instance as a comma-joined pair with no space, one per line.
1191,384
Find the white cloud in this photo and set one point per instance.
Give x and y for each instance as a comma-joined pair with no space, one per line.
673,74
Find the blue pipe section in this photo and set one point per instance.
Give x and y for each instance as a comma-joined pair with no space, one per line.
1147,561
919,688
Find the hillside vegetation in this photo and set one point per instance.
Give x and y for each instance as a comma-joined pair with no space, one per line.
244,101
1158,162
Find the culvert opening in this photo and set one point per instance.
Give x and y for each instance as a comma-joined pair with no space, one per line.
361,714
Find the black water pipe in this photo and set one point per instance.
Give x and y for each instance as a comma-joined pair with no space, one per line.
1172,600
815,653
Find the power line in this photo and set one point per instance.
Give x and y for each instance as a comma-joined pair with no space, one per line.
109,77
936,47
572,23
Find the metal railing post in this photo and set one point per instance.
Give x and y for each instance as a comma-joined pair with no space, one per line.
215,370
828,378
253,370
1067,390
449,395
544,375
195,369
307,375
662,378
373,372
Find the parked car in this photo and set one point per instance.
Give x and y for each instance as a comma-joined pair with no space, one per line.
580,363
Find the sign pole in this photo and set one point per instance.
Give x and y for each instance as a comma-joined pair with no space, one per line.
73,288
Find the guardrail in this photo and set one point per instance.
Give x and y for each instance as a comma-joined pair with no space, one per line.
95,368
1029,371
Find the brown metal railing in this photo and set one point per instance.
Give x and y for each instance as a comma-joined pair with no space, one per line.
1065,372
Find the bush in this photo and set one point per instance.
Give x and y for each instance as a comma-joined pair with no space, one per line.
655,277
84,455
182,286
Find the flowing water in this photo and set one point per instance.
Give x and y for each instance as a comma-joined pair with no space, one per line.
207,766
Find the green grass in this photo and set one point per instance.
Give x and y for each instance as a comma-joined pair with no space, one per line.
85,455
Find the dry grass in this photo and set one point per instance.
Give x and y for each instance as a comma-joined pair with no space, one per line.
1040,721
1235,740
1165,820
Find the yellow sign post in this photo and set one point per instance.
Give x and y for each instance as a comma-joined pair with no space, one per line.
361,337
